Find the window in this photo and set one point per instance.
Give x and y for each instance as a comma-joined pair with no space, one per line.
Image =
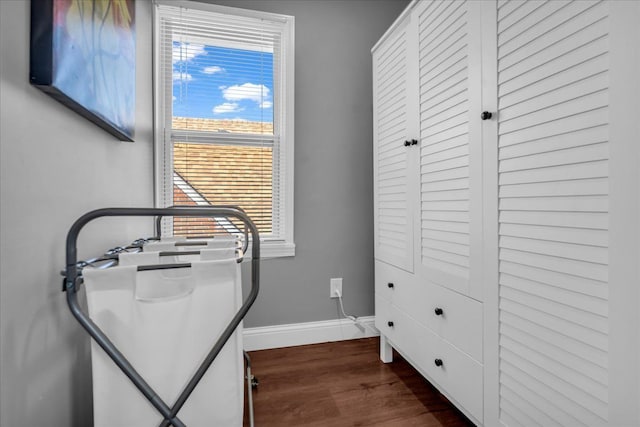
224,117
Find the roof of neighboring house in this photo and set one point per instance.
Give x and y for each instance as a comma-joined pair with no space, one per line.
206,169
216,125
180,198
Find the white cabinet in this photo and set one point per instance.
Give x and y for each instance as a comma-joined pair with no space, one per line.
450,144
393,201
506,245
429,171
553,149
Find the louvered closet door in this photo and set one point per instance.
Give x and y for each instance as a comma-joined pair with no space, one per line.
450,145
393,215
553,212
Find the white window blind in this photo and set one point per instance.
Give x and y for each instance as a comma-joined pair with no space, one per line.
224,113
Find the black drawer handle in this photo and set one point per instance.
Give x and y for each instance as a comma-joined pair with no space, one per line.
438,311
438,362
390,285
486,115
390,324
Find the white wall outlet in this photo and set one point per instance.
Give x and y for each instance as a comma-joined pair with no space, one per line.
336,286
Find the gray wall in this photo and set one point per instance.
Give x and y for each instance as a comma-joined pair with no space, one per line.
333,160
55,166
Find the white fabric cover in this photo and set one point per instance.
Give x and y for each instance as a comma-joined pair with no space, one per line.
149,258
220,253
165,322
160,246
138,258
169,244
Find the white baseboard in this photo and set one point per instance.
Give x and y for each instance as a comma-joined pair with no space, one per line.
266,337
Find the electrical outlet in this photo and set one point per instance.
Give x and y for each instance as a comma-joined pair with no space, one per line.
335,287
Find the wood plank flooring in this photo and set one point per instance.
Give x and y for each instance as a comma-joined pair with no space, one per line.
344,384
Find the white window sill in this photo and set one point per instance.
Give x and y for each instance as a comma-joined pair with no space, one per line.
274,250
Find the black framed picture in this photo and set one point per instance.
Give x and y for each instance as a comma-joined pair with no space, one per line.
83,55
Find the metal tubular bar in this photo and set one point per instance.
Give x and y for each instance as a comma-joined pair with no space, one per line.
196,243
255,285
119,359
178,253
249,389
163,266
245,244
72,273
239,255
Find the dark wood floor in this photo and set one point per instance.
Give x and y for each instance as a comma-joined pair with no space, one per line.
344,384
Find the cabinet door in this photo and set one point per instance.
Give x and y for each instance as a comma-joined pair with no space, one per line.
450,158
393,124
553,151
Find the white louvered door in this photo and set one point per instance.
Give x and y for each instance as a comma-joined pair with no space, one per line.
525,224
553,152
450,160
393,125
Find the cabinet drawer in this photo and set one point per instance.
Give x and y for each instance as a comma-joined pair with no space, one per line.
460,321
459,375
451,370
399,328
456,318
403,290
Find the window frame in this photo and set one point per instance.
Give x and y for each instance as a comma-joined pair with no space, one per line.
282,140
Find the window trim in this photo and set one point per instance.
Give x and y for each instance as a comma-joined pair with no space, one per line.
282,246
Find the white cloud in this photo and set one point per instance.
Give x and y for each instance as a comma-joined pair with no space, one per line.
227,107
253,92
187,51
212,69
181,76
266,104
184,77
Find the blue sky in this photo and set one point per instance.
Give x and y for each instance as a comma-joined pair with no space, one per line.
222,83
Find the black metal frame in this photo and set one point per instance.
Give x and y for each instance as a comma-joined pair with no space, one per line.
245,244
73,275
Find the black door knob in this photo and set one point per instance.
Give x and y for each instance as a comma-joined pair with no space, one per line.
438,362
390,324
414,142
438,311
486,115
390,285
407,143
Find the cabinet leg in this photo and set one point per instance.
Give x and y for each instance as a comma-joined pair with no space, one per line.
386,350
